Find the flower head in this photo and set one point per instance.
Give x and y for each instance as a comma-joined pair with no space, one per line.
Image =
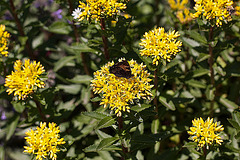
97,9
214,10
184,15
76,13
205,133
57,14
118,92
177,4
44,141
4,35
25,79
160,45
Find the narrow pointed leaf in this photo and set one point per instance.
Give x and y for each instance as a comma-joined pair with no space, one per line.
106,142
105,122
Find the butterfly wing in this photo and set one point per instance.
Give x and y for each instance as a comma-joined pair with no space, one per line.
121,69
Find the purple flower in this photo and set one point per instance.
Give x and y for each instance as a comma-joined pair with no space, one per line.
57,14
3,116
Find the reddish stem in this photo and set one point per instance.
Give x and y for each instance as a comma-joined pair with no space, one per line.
104,39
155,100
210,62
120,126
20,29
43,117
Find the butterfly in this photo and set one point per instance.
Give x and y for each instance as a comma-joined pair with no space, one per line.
121,69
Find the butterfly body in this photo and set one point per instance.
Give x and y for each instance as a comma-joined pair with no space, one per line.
121,69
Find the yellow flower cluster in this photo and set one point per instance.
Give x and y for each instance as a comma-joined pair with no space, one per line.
184,16
25,79
118,92
214,10
97,9
237,9
4,35
177,5
44,141
160,45
182,13
205,133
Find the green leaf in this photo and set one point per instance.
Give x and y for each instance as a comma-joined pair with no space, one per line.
227,103
2,153
105,155
102,135
18,106
59,28
106,122
202,57
192,147
11,127
62,62
200,72
96,115
71,88
155,126
96,99
236,116
195,83
210,92
139,108
234,124
81,47
106,142
91,148
23,40
236,150
190,42
167,103
197,37
81,79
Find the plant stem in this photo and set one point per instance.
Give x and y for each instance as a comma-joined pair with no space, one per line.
43,117
155,100
20,29
104,39
85,66
120,126
156,9
210,62
204,152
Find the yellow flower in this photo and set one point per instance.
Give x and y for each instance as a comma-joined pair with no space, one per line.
25,79
160,45
177,5
44,141
4,35
184,16
237,9
118,92
214,10
205,133
97,9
